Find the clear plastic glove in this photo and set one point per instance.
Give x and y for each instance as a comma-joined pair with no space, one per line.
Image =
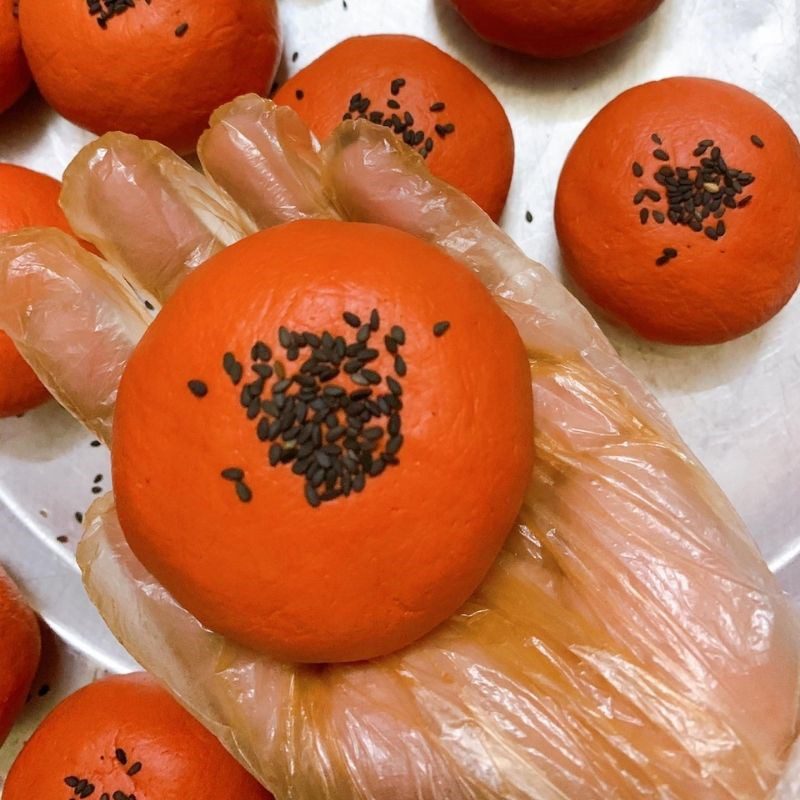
630,641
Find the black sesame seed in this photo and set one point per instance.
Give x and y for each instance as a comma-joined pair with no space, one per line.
661,155
299,94
670,252
659,217
638,197
232,474
711,233
638,170
72,781
400,366
643,216
439,106
757,141
656,138
374,320
371,376
661,260
181,29
351,319
440,328
396,85
394,387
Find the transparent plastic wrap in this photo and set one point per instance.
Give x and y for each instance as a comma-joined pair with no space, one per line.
630,642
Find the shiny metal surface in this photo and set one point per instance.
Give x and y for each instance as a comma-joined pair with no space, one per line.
736,405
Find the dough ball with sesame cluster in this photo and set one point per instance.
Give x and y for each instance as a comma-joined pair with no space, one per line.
677,213
323,440
433,102
123,738
154,69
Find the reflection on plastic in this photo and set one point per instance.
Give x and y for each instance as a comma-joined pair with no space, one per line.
629,643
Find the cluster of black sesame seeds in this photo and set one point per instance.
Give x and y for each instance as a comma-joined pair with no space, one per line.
697,196
397,119
104,10
82,788
336,439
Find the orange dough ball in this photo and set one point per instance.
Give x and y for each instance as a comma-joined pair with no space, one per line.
20,648
156,70
439,106
554,28
677,211
27,198
323,440
126,736
15,77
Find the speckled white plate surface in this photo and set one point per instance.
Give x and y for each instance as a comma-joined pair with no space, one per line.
737,405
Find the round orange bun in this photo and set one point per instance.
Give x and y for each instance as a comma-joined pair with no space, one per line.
385,75
27,198
295,559
157,70
15,77
20,647
553,28
677,211
126,736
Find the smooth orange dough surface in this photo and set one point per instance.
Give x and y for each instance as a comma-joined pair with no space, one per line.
126,734
554,28
20,647
713,290
476,157
358,576
27,198
139,75
15,77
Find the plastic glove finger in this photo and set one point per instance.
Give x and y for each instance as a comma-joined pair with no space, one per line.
267,160
373,177
148,211
72,320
